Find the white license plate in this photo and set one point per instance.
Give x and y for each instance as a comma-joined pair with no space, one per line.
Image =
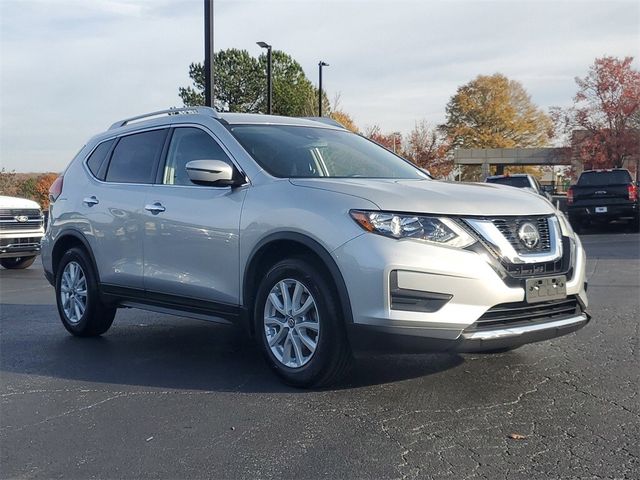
544,289
601,209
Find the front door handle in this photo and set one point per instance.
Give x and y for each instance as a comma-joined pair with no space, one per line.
154,208
90,201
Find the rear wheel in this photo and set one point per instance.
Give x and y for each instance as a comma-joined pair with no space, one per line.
17,263
300,328
81,310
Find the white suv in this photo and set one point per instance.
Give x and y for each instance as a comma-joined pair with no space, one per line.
21,229
315,240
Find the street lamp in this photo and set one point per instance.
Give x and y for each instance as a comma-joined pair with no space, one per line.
209,96
320,65
269,80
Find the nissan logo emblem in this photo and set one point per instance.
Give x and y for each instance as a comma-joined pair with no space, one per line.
529,235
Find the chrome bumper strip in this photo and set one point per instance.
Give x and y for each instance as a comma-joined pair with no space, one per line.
517,331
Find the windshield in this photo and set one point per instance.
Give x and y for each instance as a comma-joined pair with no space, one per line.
520,182
306,152
613,177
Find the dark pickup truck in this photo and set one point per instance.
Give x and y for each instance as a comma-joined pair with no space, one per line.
602,196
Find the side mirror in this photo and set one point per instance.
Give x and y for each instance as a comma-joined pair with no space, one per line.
214,173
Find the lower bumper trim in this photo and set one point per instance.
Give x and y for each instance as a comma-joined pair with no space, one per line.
525,329
406,340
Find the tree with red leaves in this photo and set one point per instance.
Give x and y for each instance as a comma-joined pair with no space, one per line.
605,117
391,141
427,148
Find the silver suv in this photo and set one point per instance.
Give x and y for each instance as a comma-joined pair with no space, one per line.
315,240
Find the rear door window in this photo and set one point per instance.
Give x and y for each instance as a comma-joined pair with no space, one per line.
95,160
135,157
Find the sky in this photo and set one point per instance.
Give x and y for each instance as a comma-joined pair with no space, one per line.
70,68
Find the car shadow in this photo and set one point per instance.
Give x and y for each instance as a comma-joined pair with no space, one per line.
163,352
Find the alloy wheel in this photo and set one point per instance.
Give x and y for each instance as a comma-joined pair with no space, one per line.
291,323
73,292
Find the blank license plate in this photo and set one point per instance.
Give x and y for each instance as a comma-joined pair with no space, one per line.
601,209
545,289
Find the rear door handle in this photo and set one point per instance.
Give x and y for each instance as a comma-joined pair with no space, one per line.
90,201
154,208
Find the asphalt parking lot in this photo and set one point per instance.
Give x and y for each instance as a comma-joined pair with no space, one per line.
166,397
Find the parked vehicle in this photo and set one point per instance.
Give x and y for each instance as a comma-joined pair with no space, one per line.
520,180
21,229
315,240
602,196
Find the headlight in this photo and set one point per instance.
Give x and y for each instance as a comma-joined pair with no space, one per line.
439,230
565,226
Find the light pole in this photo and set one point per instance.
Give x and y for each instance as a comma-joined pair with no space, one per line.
208,53
269,79
320,65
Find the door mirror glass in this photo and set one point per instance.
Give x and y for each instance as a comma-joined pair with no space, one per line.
210,172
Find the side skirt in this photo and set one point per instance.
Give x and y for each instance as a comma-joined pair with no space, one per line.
174,305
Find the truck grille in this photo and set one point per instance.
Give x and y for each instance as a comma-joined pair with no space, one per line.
517,313
509,229
9,222
9,213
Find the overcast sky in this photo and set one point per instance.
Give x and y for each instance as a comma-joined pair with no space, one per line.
70,68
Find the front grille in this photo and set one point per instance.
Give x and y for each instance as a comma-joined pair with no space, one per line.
6,226
518,313
8,220
9,213
509,229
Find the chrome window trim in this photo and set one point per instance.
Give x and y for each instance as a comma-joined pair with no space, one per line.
161,127
490,233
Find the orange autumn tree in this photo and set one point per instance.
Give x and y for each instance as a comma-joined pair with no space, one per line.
43,182
495,112
344,119
492,111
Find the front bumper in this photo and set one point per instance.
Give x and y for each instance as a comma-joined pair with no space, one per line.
402,340
467,278
20,245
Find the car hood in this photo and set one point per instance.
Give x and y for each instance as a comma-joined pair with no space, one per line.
437,197
15,202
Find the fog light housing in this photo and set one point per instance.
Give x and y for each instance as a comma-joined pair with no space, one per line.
407,300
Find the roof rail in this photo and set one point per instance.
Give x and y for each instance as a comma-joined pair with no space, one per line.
326,121
170,111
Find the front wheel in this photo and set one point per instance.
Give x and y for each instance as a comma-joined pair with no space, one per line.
81,310
300,328
17,263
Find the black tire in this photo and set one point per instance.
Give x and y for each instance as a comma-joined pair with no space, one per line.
97,316
332,356
17,263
